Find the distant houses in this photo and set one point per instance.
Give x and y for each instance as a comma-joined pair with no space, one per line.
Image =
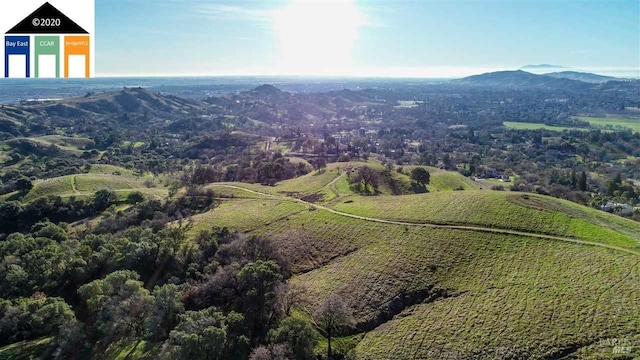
618,208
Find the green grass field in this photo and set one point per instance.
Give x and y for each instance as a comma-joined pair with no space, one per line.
612,123
442,180
506,297
537,126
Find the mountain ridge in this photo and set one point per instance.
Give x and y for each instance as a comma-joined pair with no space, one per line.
567,80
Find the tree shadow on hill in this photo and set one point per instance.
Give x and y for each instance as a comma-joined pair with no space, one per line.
362,189
419,188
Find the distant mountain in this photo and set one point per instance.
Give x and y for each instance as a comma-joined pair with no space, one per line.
543,67
128,100
266,89
582,76
523,79
520,78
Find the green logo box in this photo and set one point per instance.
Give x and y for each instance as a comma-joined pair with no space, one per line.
47,46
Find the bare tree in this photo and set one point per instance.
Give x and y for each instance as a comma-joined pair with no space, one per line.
290,295
331,316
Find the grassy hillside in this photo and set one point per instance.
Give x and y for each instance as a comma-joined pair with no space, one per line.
246,214
425,292
24,350
71,144
506,297
87,184
332,182
504,210
127,100
429,293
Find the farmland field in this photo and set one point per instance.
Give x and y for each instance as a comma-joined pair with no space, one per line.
613,123
537,126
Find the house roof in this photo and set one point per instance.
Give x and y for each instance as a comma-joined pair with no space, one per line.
47,11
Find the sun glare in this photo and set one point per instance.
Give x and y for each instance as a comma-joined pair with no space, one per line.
316,37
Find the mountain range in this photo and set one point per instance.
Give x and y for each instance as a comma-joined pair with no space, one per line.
556,80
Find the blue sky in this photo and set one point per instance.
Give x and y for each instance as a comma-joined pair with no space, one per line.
363,37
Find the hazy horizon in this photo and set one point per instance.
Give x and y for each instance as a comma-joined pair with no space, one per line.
363,38
392,73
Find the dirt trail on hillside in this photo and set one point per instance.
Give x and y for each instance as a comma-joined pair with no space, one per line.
441,226
74,185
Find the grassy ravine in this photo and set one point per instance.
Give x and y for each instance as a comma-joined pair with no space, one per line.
504,292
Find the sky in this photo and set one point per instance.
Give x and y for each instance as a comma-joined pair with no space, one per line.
387,38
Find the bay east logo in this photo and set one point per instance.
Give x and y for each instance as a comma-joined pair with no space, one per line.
47,43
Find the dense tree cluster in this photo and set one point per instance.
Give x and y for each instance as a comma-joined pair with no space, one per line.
220,296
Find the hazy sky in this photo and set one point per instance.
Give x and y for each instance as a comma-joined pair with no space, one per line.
363,37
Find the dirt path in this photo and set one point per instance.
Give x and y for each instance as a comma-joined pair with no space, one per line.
334,181
267,145
74,184
440,226
332,186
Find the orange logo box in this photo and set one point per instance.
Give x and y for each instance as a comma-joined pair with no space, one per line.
76,46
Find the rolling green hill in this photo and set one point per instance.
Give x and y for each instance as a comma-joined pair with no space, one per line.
504,276
331,183
446,274
72,144
127,100
100,177
503,210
